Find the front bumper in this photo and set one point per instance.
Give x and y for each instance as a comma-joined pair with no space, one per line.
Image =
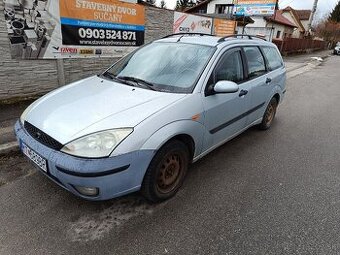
336,52
114,176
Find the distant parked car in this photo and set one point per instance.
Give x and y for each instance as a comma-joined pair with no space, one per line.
337,49
138,125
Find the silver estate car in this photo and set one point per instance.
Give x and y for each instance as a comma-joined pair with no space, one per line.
138,125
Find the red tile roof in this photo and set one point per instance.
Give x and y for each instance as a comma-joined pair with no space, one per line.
303,14
300,14
280,19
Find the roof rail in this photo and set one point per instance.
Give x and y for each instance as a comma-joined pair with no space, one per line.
250,37
183,34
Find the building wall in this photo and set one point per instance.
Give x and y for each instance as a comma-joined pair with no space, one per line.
260,31
263,27
258,22
26,78
212,4
296,32
305,24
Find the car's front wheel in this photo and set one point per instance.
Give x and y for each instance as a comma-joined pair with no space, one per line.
269,114
166,172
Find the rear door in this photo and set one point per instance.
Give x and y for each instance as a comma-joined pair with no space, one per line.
276,69
259,85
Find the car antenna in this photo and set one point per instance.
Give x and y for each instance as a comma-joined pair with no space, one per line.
179,39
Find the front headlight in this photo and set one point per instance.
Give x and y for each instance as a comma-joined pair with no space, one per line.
97,145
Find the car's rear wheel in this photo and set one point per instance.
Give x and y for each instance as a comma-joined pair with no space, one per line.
269,114
166,172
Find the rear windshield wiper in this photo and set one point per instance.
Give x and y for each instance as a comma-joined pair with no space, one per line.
147,84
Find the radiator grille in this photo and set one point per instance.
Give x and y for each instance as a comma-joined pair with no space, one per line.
41,137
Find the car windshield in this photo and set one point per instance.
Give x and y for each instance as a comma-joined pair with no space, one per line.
170,67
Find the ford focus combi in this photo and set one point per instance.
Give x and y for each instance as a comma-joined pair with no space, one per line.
138,125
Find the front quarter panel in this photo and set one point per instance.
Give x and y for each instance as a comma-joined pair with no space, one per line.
188,127
183,117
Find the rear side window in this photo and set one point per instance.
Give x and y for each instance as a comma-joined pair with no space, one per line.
273,58
255,61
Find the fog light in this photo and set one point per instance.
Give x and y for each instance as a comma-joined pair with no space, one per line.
87,191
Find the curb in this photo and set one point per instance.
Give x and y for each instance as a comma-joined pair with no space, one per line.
324,57
8,148
296,67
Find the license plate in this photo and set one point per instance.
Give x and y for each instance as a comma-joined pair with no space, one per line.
34,157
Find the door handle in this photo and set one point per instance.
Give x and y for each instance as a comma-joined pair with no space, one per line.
243,93
268,80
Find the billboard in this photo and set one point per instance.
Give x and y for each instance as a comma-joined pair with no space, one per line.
255,7
187,23
48,29
224,27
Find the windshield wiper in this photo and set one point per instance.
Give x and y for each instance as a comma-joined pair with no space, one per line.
147,84
115,78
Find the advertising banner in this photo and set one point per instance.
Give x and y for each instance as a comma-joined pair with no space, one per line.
255,7
224,27
187,23
73,28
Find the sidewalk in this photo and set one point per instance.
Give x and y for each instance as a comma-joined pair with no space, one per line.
297,61
9,114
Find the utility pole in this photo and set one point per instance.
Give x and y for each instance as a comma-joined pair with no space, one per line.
311,18
271,36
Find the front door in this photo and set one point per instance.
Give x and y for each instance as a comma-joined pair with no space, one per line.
225,113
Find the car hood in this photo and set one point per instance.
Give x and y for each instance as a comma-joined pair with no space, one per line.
93,105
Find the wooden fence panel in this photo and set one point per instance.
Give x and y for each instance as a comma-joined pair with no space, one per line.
295,45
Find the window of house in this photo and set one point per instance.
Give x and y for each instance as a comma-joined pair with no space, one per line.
278,34
224,8
255,61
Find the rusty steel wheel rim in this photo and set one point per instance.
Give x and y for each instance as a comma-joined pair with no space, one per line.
170,172
270,114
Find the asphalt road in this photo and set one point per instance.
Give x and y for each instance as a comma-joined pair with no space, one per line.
274,192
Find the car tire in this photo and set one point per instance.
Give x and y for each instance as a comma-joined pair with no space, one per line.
166,172
269,115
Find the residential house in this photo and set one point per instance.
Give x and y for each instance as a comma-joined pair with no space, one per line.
218,9
300,18
286,23
224,7
273,27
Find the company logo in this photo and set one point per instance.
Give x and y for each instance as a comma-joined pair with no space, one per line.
66,50
38,135
86,51
184,29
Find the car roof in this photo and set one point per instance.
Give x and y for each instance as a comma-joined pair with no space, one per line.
215,41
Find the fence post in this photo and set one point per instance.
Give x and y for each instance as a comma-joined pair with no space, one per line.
60,71
282,43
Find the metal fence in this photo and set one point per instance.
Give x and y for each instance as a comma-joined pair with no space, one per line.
294,45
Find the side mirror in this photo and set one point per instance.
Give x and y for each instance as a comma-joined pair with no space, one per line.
225,87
